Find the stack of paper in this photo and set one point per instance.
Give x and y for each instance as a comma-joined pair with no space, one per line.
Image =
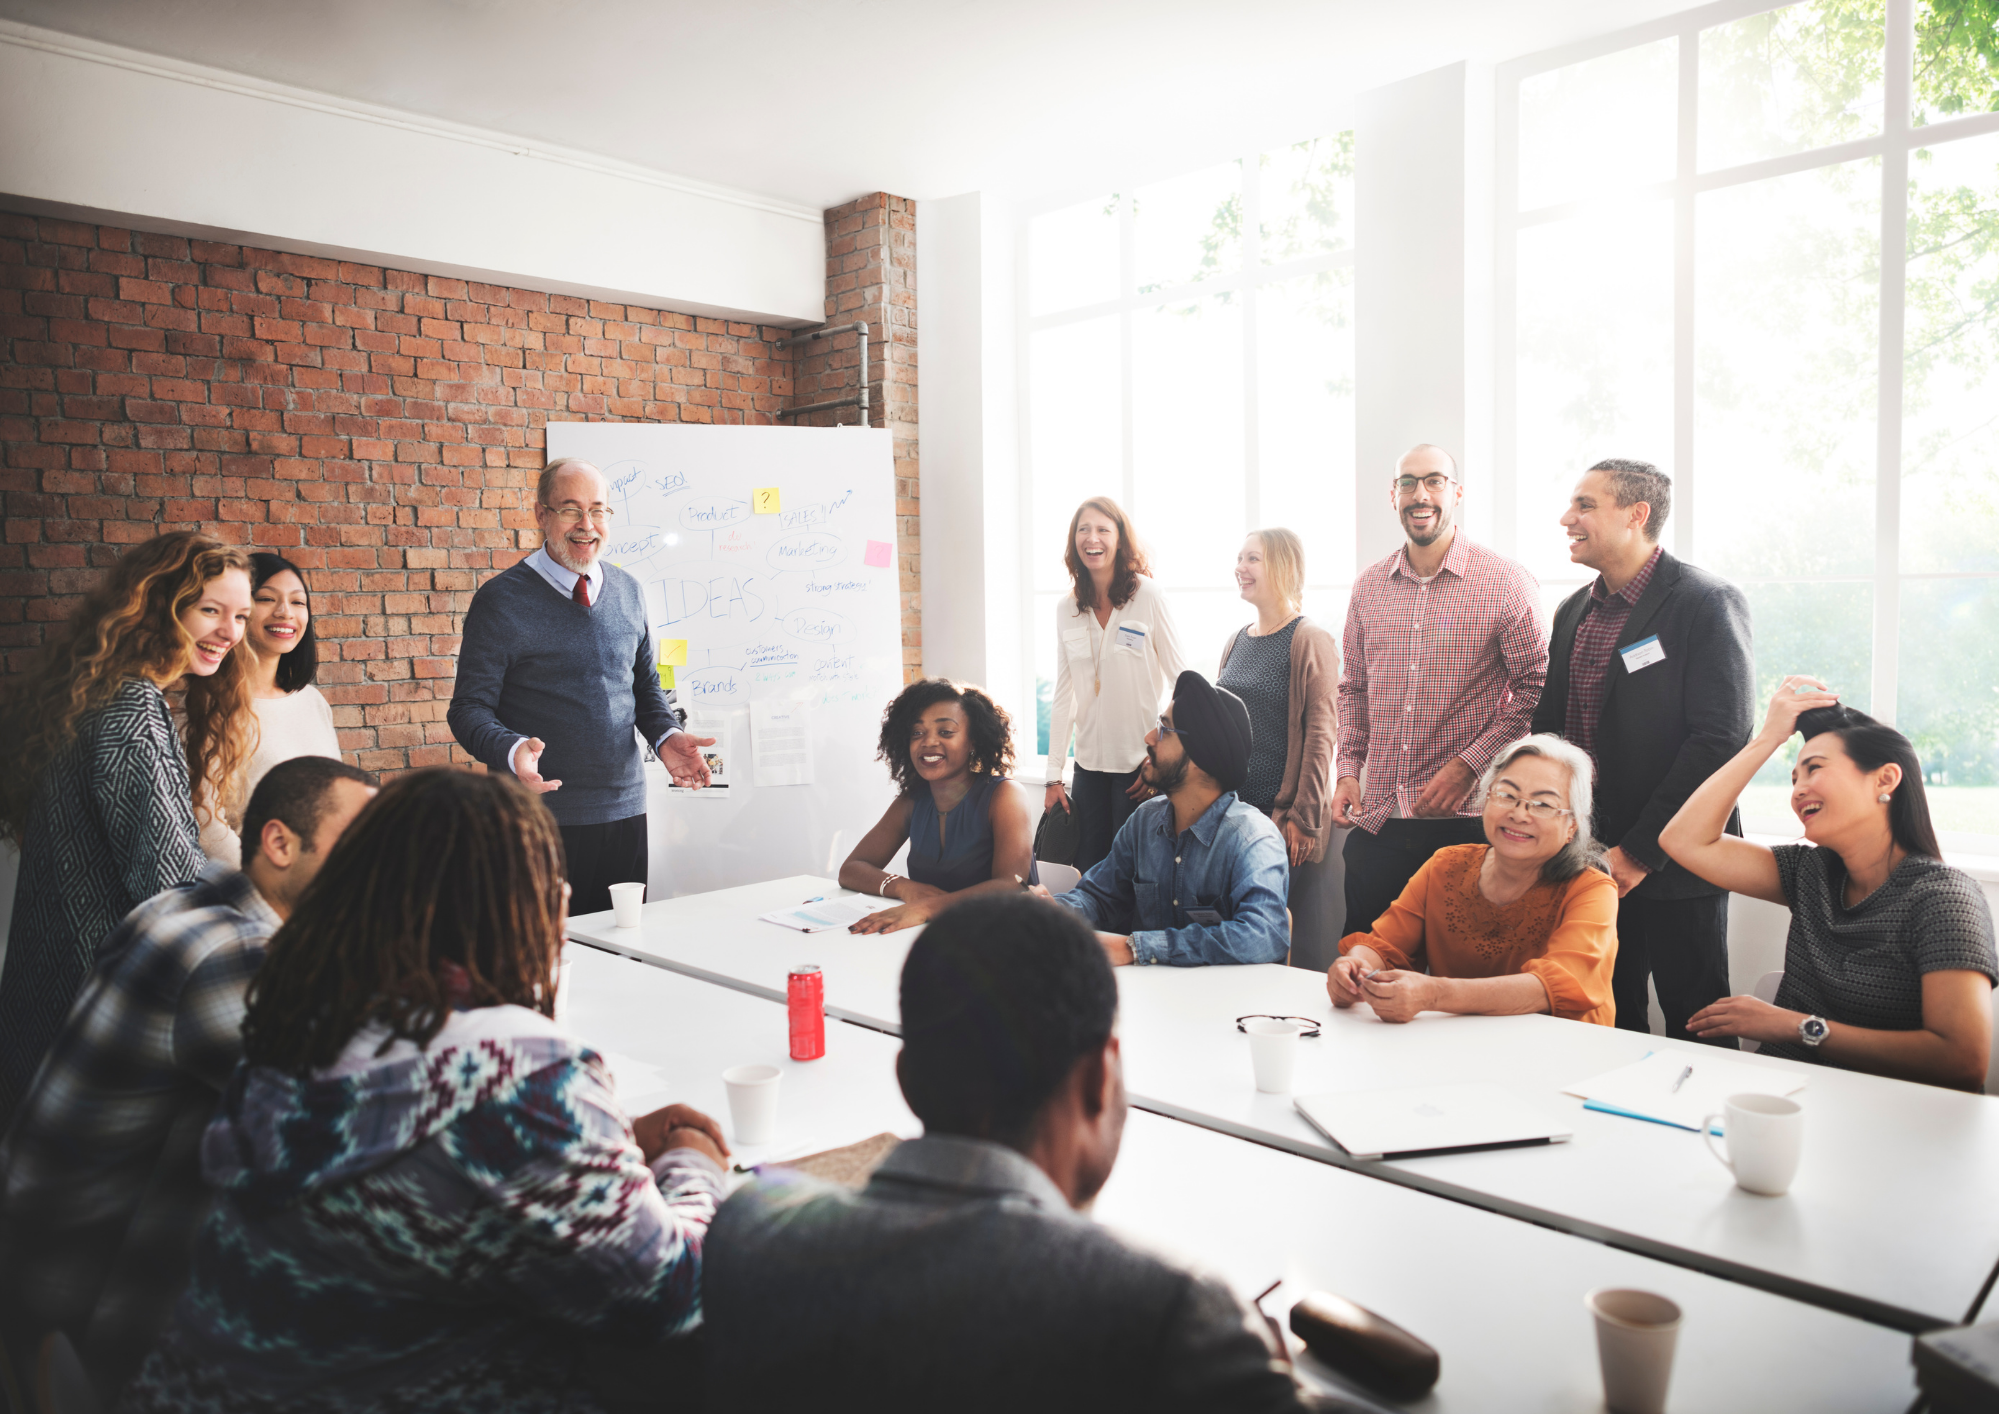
1679,1088
823,914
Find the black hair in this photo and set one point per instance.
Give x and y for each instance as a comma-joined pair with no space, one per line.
297,668
1633,481
294,792
990,726
1871,745
1002,995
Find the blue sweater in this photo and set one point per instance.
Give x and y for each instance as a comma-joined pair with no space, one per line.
532,663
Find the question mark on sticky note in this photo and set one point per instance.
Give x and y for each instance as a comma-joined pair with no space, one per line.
765,500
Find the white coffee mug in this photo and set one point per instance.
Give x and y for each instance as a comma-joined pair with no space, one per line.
626,901
753,1102
1636,1335
1274,1051
1764,1134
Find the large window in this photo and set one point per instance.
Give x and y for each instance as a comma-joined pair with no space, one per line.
1760,250
1189,352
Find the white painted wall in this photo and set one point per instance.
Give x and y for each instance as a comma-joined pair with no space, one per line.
1422,291
972,591
102,133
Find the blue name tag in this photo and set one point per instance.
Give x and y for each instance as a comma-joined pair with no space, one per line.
1643,654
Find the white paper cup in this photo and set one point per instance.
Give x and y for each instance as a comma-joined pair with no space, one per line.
626,901
1274,1051
1765,1134
1636,1333
753,1102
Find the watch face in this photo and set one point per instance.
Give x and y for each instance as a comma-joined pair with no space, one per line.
1813,1030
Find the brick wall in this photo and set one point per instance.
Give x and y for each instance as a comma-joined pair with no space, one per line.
382,429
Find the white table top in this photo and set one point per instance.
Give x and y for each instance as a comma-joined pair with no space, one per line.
1856,1232
1508,1320
1892,1216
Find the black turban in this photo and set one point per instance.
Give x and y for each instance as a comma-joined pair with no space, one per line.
1215,728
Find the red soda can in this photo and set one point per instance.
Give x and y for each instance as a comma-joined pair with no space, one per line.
805,1000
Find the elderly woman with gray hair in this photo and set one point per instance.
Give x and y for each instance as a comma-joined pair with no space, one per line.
1527,922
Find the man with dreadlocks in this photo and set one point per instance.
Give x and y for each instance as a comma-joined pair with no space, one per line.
427,1195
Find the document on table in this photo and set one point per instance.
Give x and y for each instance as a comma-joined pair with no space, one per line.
822,914
635,1079
1646,1089
781,743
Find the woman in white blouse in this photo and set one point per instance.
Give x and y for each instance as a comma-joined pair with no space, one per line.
293,719
1117,657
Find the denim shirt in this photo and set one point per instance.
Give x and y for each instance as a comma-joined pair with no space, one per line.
1231,861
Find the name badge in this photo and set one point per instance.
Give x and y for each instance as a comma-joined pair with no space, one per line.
1643,654
1205,917
1132,638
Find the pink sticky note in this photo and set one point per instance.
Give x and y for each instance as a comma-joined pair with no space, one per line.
877,554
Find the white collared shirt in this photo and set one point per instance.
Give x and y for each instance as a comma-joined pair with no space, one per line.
1110,680
544,564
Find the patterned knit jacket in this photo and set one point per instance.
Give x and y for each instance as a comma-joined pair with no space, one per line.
429,1230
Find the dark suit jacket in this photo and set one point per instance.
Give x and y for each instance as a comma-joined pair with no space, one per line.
1669,726
960,1280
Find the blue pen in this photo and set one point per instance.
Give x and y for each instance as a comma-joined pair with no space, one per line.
817,898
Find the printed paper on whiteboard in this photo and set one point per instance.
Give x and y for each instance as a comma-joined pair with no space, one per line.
720,757
781,743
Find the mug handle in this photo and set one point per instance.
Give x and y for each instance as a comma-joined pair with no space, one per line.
1708,1138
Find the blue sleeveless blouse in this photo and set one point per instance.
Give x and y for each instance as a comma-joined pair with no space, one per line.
965,857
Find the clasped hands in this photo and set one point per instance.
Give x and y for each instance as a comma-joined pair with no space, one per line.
1441,798
679,1127
1393,993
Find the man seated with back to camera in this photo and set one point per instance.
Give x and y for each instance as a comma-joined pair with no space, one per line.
103,1189
1195,876
963,1277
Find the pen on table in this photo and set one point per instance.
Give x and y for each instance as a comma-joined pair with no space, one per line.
816,898
1681,1080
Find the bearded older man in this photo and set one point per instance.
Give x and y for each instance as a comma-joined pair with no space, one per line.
555,671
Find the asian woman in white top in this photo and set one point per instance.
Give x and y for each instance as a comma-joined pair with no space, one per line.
293,718
1117,656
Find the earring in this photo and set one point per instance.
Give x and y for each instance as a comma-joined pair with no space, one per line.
1884,797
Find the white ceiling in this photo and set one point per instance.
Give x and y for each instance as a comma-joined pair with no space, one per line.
818,101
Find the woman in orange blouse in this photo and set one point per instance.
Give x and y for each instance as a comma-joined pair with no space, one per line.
1527,922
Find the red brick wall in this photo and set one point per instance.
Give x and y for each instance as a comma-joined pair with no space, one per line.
382,429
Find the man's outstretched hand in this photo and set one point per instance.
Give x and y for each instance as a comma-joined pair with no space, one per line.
681,755
527,766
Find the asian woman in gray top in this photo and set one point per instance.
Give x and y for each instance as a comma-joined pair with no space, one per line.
949,748
1889,965
97,789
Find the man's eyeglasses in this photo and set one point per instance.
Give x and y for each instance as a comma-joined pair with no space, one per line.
1434,483
572,515
1540,809
1167,728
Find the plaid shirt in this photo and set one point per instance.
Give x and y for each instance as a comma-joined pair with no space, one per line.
1434,672
1590,656
102,1177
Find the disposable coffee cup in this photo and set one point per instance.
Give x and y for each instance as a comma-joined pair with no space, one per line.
753,1102
1764,1134
626,901
1636,1334
1274,1052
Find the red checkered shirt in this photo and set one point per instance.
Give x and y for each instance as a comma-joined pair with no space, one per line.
1590,656
1433,672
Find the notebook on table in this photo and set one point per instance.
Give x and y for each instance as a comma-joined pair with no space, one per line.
1429,1119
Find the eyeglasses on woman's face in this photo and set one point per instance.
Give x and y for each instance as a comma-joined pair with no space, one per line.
1540,809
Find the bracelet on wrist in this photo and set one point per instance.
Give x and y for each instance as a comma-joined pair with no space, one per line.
882,889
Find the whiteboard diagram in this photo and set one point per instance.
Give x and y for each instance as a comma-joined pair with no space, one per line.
767,557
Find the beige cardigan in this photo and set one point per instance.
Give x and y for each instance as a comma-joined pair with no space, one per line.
1311,729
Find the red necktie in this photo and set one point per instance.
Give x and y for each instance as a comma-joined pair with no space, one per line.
582,591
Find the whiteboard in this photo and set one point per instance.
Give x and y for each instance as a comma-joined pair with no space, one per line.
790,610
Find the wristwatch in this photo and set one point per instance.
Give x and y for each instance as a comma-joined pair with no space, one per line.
1813,1030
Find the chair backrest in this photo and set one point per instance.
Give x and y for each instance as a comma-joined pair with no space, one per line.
1057,878
1766,990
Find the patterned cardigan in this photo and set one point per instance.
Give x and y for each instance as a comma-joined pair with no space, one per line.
427,1230
112,824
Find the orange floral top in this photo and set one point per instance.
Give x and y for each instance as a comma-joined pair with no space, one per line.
1565,934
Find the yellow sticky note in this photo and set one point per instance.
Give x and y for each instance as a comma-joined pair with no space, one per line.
666,677
765,500
673,652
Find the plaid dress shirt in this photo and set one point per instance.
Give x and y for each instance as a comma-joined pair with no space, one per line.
102,1190
1590,655
1434,672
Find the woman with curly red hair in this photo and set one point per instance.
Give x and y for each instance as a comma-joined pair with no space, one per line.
949,748
100,786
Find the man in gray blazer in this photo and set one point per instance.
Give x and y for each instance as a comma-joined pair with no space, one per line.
1650,672
962,1277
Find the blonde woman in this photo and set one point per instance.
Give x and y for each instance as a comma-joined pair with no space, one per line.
99,789
1286,669
1117,657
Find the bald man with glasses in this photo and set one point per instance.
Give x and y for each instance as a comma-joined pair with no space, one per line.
556,672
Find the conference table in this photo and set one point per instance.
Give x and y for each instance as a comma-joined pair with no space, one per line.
1892,1218
1501,1300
